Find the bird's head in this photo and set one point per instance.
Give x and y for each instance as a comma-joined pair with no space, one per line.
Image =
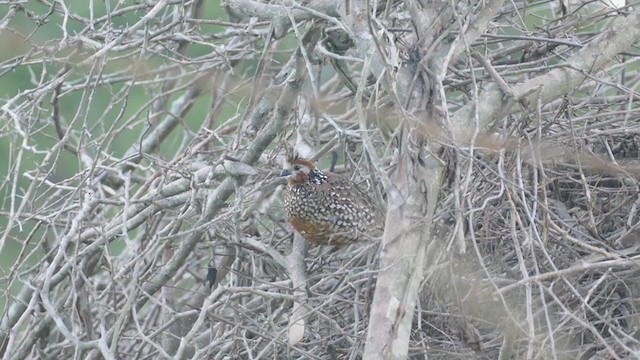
297,171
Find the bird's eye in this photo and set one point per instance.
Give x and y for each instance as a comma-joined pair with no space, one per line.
297,167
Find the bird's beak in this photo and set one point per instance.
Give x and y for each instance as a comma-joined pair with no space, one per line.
285,172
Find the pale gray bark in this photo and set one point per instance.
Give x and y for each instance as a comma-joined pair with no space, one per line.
141,145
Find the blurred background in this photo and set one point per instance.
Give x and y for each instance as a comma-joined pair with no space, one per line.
140,144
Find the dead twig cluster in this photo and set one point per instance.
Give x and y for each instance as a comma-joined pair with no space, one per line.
142,217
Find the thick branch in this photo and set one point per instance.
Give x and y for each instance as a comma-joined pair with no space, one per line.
279,15
493,104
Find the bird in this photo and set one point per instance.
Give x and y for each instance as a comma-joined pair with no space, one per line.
326,208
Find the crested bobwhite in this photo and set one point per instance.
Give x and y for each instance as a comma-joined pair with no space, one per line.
327,209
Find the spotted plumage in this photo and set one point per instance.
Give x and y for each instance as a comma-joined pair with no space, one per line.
327,209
